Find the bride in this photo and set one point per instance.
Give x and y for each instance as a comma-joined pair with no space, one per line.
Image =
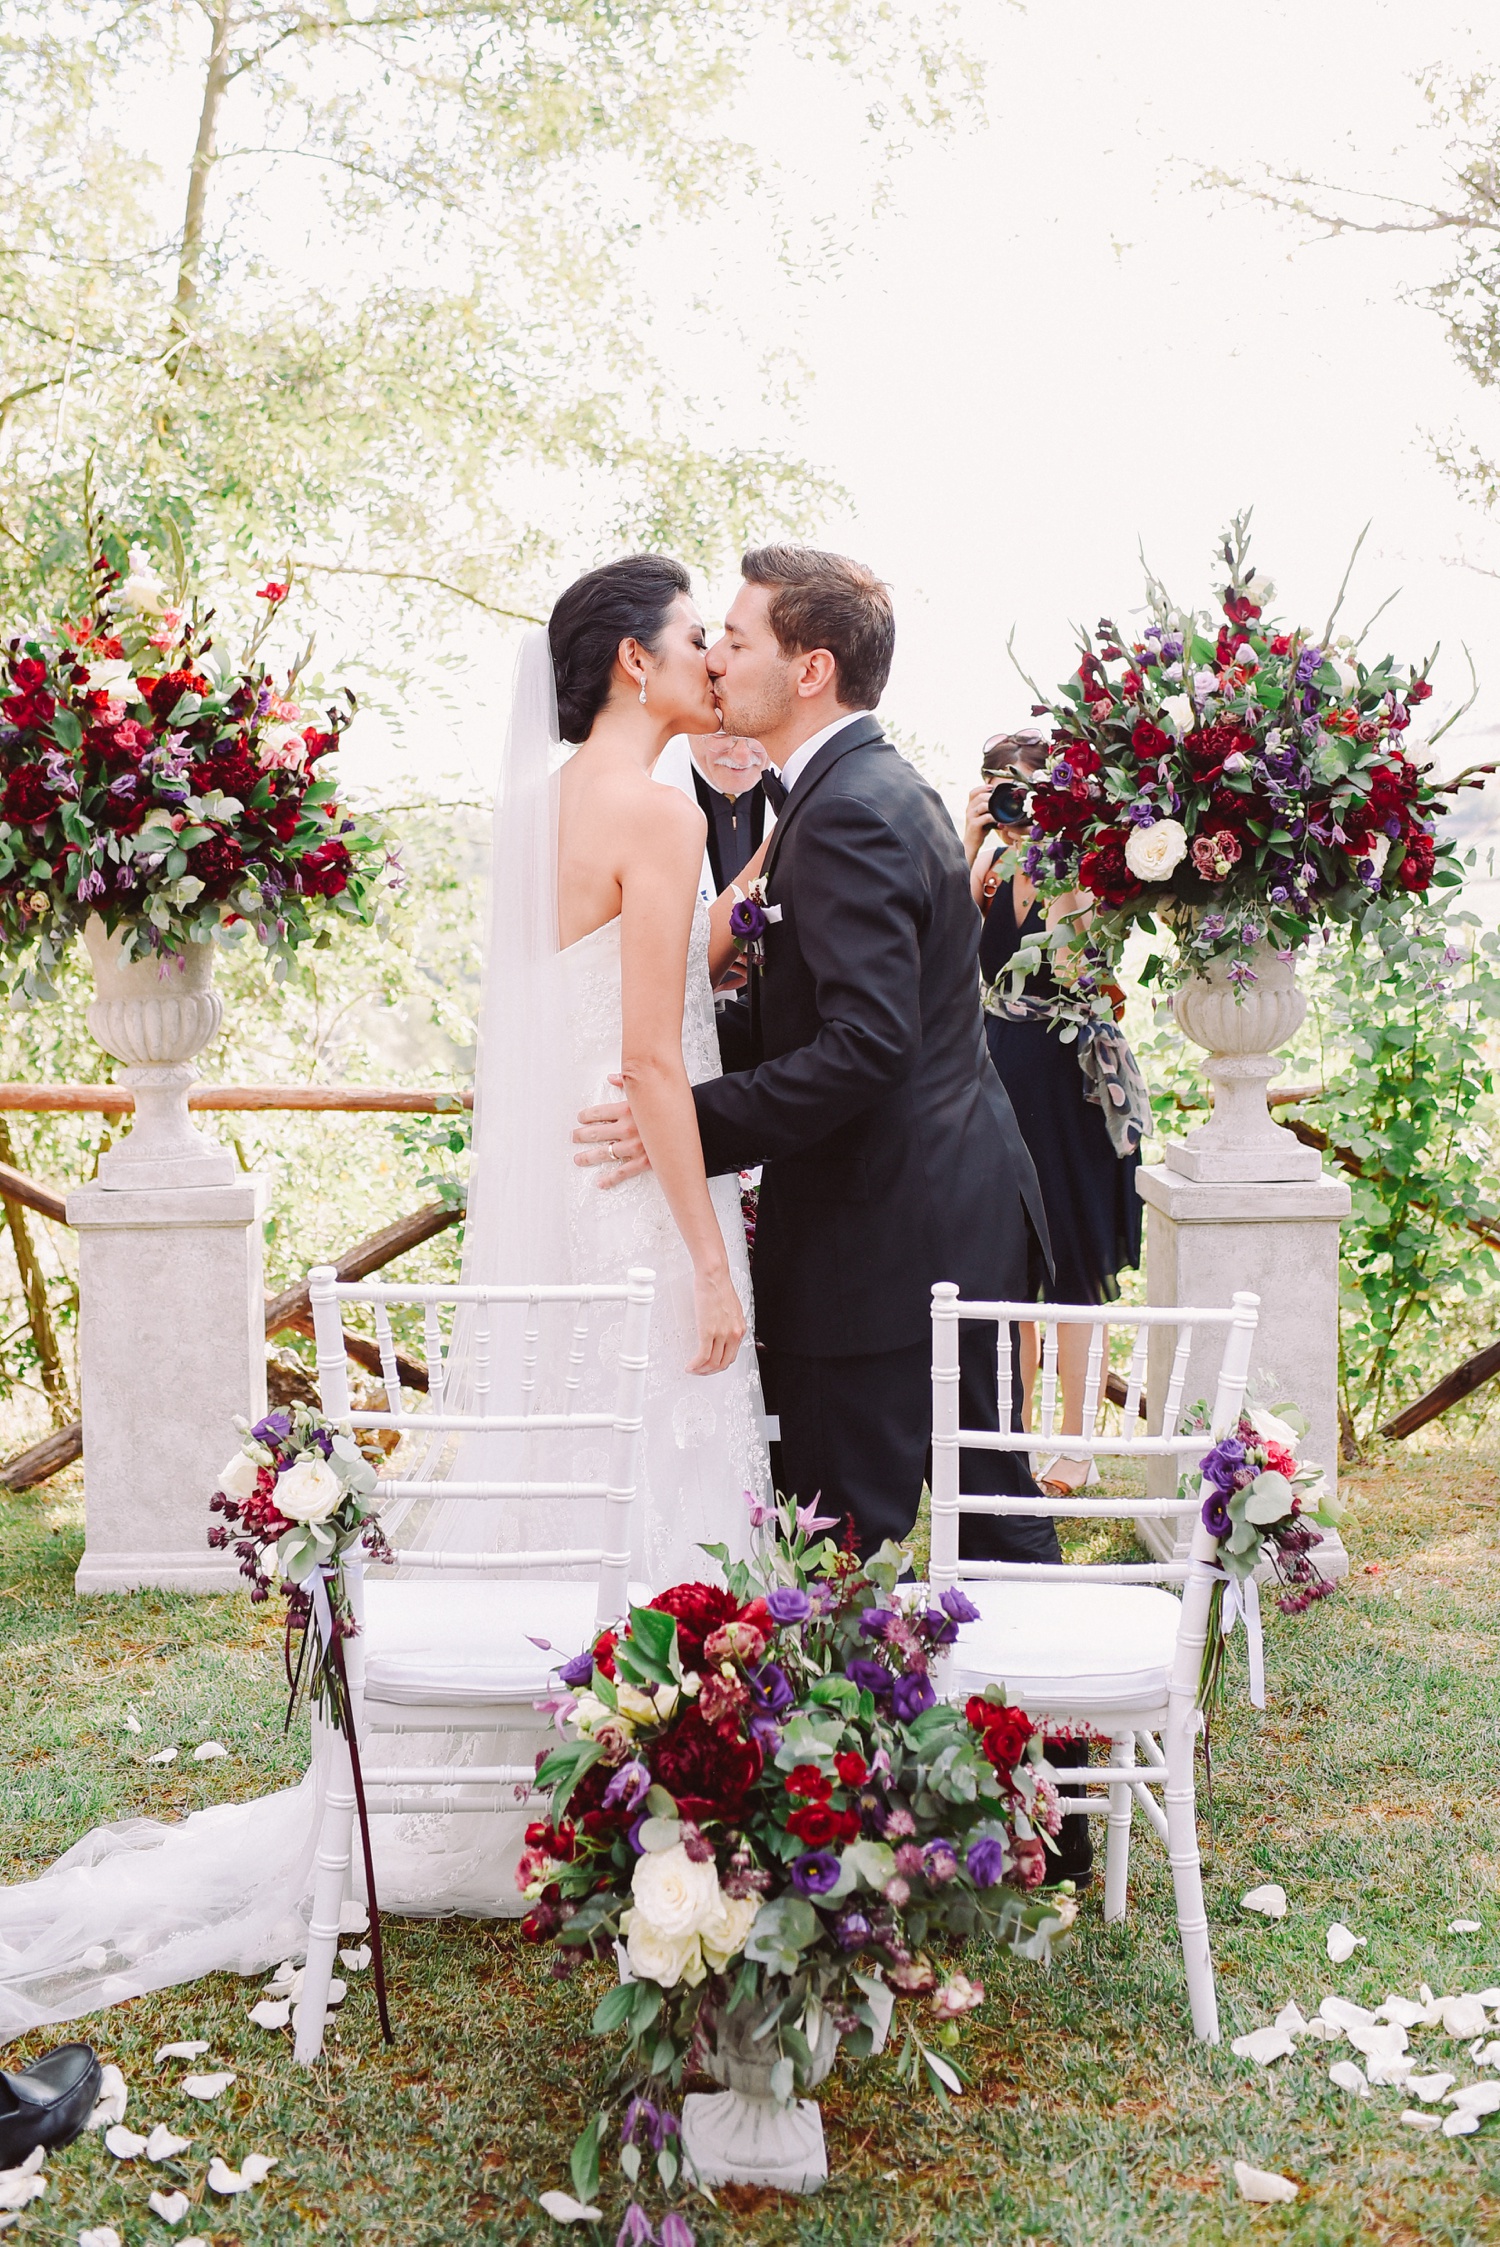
600,965
602,961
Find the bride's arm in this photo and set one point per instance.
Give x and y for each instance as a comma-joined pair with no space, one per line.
659,887
721,945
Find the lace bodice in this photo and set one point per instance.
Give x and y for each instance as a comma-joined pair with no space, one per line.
591,1006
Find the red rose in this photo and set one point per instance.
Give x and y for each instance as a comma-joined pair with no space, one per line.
851,1768
30,710
27,797
1057,812
1005,1731
1415,869
1104,871
1083,758
1281,645
232,770
808,1782
29,671
815,1824
218,864
165,693
708,1778
604,1654
324,872
1207,750
700,1610
1148,741
1418,691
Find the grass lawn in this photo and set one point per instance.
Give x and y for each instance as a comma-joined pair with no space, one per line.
1370,1788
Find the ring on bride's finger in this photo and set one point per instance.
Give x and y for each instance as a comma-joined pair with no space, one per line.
614,1152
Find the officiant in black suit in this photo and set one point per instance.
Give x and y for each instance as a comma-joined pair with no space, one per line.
735,788
891,1152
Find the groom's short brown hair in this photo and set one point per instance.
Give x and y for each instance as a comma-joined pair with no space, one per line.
826,601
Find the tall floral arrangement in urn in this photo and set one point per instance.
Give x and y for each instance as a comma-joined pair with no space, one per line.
1234,779
765,1809
153,784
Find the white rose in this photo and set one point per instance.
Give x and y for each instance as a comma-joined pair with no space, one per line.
1178,710
655,1957
110,678
1347,676
676,1895
1379,851
589,1712
1272,1430
642,1708
308,1491
237,1480
143,590
1152,852
724,1935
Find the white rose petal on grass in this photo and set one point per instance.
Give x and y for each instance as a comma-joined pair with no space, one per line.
253,2170
1429,2088
164,2143
1391,2071
131,1721
354,1917
207,2086
1349,2076
1263,2046
1152,853
1342,1943
1460,2125
1476,2098
163,1755
101,2235
1416,2120
1403,2011
1262,2184
209,1752
1466,1926
1269,1901
272,2013
356,1960
564,2209
188,2051
122,2143
170,2206
1463,2017
281,1981
94,1957
20,2185
1345,2015
110,2104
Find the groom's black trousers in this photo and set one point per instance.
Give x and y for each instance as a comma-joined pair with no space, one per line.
856,1432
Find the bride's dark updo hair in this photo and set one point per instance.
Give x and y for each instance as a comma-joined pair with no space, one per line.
625,600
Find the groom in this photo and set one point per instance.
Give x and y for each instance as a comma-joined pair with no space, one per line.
892,1155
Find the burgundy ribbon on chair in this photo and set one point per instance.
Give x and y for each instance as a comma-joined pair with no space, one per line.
322,1611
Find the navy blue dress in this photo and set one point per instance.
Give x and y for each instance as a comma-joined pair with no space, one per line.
1088,1191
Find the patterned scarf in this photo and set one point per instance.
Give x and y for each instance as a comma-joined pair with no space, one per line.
1112,1077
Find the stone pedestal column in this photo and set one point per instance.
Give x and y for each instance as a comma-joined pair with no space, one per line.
172,1346
1207,1237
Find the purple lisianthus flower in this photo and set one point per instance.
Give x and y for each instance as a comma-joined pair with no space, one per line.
1220,1465
634,1835
852,1929
1216,1515
911,1696
275,1428
876,1621
629,1787
747,920
957,1604
816,1873
870,1677
941,1628
579,1670
939,1861
769,1689
766,1733
788,1605
986,1861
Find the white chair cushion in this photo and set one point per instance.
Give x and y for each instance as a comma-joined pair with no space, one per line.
1076,1645
456,1643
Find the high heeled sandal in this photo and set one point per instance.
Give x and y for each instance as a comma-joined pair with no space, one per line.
1061,1486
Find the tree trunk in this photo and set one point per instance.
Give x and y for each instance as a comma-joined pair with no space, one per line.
191,252
34,1289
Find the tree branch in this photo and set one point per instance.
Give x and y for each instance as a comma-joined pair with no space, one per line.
420,577
191,252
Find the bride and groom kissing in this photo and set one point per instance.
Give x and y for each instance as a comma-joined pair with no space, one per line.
891,1155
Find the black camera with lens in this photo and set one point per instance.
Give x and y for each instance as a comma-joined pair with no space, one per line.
1010,800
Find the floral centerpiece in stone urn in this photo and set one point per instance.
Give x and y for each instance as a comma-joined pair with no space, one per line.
156,798
764,1810
1239,782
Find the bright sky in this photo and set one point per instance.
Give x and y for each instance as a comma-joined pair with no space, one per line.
1052,346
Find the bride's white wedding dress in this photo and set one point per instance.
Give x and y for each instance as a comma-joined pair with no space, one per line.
140,1905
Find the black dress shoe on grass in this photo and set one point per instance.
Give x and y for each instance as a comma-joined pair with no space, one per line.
49,2103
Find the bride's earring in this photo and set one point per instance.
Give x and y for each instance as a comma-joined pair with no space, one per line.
643,686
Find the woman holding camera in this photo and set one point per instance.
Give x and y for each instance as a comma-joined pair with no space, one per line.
1085,1153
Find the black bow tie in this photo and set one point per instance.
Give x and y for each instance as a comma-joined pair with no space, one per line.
774,787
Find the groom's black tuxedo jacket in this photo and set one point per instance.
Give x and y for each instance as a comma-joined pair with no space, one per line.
892,1153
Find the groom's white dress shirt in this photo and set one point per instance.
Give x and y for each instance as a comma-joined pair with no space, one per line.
799,760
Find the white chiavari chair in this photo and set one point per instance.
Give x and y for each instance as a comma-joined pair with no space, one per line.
460,1643
1105,1646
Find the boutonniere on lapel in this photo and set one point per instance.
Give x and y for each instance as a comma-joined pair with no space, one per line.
749,917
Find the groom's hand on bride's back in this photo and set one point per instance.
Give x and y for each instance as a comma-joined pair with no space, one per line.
607,1136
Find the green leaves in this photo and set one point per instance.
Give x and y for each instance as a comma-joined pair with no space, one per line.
783,1929
649,1655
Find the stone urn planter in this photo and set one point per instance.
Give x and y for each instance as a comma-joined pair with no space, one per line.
744,2134
1241,1028
155,1014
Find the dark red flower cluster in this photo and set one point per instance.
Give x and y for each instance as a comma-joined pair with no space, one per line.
27,797
1104,871
699,1611
1005,1731
708,1776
